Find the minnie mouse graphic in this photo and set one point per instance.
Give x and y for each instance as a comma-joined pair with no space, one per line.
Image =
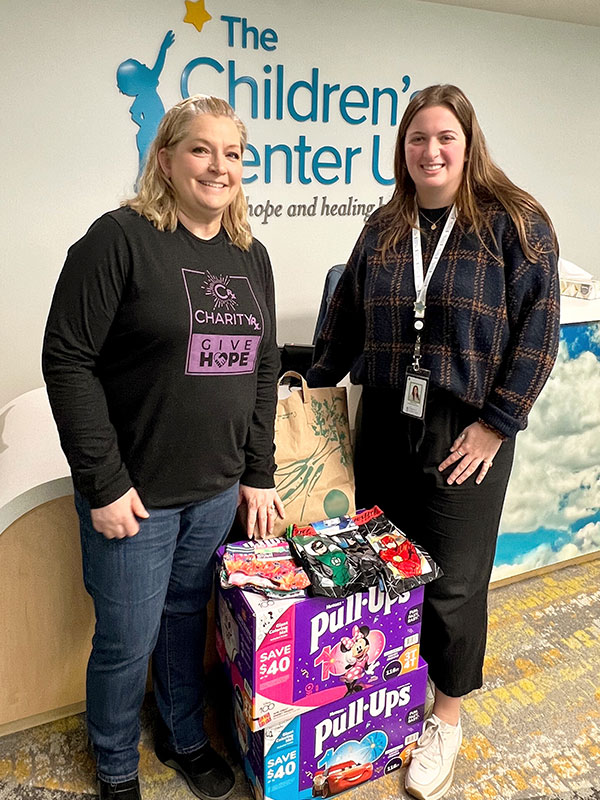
358,661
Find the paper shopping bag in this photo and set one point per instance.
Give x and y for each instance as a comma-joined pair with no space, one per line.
314,476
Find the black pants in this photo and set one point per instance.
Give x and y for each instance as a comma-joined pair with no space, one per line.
396,466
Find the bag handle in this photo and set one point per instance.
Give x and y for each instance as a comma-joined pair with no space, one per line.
293,374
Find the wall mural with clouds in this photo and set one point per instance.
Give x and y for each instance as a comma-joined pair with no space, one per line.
552,510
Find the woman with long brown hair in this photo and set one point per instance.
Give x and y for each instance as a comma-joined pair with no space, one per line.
452,287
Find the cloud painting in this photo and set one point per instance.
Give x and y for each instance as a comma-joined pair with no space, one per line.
552,509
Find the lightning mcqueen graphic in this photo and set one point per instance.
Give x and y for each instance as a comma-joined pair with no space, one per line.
339,777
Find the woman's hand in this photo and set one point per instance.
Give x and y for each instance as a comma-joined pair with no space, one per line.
260,507
119,519
475,447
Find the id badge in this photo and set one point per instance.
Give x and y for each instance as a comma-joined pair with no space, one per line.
416,384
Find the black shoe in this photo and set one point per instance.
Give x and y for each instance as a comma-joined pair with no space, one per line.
129,790
207,774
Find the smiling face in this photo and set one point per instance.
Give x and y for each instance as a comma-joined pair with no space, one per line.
319,547
360,647
205,170
435,150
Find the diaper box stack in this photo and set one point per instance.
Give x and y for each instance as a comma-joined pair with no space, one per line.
329,693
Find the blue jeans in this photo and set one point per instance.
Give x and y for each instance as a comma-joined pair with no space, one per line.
150,593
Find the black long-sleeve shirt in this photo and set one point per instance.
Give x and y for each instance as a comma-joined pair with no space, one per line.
491,326
161,362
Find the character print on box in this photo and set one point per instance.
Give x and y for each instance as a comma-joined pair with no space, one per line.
361,740
354,658
361,662
349,764
229,629
226,324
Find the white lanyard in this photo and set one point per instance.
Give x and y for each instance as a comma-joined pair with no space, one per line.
422,283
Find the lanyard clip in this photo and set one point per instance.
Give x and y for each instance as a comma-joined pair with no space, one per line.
419,308
417,354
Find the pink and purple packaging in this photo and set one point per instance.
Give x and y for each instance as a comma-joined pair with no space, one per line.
288,656
326,750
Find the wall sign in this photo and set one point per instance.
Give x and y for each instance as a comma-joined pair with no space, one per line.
278,92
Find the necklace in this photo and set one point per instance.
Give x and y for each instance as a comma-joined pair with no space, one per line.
434,222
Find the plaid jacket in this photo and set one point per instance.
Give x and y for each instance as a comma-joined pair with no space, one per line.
491,325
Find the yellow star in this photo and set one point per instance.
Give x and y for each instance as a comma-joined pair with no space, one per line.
196,15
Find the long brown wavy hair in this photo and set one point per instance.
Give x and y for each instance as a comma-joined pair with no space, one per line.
482,181
156,198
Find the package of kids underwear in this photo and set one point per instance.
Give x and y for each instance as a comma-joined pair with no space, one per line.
264,566
336,556
405,564
350,554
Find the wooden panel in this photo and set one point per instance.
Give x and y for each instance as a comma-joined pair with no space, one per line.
46,616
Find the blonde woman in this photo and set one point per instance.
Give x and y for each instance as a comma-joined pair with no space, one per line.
161,363
452,287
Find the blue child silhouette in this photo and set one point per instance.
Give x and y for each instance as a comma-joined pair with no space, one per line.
139,81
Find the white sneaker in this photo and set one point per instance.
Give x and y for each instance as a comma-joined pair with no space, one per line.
429,698
429,774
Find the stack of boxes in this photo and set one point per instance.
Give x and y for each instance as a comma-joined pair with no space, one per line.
328,693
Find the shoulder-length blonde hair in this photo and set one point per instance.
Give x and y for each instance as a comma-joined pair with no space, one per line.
156,199
482,180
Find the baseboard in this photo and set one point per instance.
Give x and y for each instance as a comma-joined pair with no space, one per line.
41,719
545,570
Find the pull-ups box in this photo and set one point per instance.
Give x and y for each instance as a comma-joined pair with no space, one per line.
293,655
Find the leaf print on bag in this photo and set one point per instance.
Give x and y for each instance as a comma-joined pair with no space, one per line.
327,436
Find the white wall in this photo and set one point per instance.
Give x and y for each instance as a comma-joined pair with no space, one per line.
69,143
